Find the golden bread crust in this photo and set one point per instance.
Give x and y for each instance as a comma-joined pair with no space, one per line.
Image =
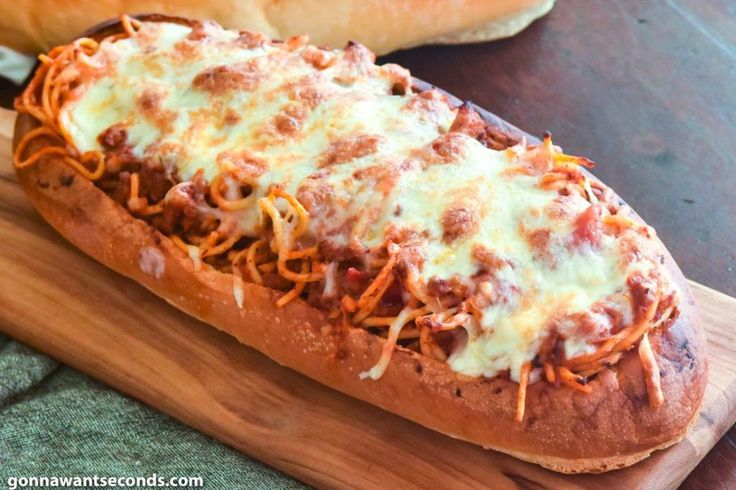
382,25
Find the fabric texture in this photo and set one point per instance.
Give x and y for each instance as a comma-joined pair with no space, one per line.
55,421
15,66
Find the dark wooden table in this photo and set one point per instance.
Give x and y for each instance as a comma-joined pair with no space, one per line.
646,89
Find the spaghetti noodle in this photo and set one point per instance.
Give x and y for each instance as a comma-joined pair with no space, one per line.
521,397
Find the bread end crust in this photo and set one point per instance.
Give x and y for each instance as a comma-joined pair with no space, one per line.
502,28
34,26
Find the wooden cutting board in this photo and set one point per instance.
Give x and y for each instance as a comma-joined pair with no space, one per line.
61,302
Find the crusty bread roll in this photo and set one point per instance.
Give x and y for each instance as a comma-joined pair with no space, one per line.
382,25
611,427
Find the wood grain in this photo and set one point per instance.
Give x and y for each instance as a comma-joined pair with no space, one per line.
63,303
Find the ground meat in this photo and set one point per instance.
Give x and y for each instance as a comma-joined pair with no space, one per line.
394,234
391,303
333,252
186,209
121,192
552,348
156,180
113,137
316,299
449,292
118,153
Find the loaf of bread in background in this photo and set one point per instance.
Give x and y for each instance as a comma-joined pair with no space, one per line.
382,25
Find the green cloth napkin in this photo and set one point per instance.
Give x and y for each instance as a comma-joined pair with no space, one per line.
55,421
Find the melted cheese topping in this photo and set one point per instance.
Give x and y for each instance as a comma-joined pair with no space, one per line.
326,123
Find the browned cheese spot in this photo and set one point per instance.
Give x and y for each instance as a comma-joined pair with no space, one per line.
149,103
460,219
250,40
445,149
290,120
243,161
346,149
318,58
221,79
467,121
487,259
